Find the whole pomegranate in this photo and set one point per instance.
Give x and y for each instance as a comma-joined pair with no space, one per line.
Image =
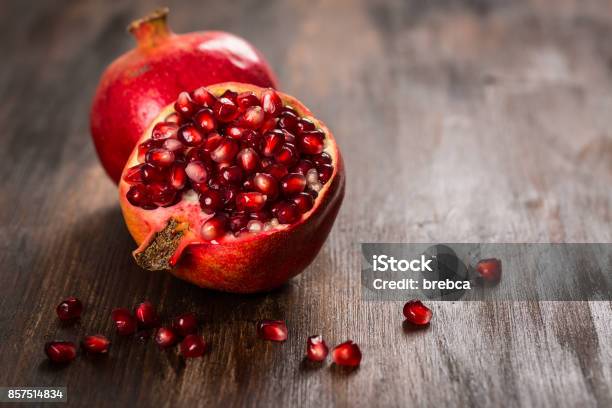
233,187
137,85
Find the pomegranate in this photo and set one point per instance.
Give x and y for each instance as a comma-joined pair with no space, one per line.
231,210
347,354
417,313
60,351
96,344
69,309
136,86
316,349
273,330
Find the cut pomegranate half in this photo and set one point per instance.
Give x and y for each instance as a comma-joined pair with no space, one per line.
241,197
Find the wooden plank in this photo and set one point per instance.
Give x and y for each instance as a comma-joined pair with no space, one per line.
459,121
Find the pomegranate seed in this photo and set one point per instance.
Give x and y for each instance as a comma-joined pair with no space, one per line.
193,346
303,167
196,171
253,117
347,354
250,201
178,176
271,102
262,215
266,184
205,119
273,330
272,142
316,349
288,120
151,173
125,323
213,141
165,337
252,139
214,228
185,324
159,157
146,315
232,175
312,142
174,118
70,308
287,155
225,151
268,125
287,213
305,125
246,100
489,270
162,194
184,105
325,172
164,130
190,135
234,132
225,109
289,137
278,171
133,175
138,196
173,145
145,146
303,201
248,160
292,184
97,344
417,313
322,158
60,351
211,201
238,222
202,97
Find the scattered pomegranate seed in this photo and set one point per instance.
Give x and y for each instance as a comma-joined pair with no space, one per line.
60,351
347,354
193,346
69,309
146,315
489,270
316,349
417,313
165,337
273,330
125,323
185,324
96,344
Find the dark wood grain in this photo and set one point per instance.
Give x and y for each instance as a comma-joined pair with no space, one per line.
459,121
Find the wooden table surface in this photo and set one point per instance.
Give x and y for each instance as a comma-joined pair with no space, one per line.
460,121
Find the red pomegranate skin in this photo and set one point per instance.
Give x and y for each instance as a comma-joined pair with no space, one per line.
263,261
136,86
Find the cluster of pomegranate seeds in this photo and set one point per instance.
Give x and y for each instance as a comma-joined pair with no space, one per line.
347,354
253,162
316,349
97,344
60,351
489,270
273,330
69,309
417,313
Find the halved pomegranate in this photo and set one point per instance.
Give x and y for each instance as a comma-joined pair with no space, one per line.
215,190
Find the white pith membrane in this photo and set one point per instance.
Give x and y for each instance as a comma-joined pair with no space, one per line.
189,209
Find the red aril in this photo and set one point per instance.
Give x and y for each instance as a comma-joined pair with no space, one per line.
96,344
146,315
417,313
69,309
347,354
489,270
273,330
226,213
135,88
193,346
185,324
125,324
60,351
316,349
165,337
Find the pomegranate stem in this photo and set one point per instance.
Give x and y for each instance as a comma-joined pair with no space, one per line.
152,29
